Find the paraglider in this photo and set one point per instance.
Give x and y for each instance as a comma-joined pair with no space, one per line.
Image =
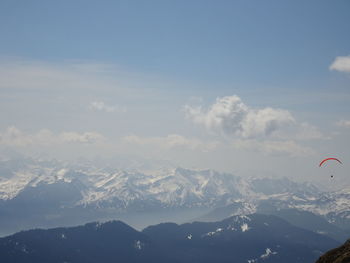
327,159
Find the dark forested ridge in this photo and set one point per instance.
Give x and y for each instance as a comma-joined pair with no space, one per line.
254,238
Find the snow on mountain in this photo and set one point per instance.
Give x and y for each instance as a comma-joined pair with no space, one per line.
167,187
32,175
174,187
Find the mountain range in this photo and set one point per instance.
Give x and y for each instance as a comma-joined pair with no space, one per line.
41,193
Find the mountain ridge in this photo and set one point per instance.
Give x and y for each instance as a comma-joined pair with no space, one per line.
51,193
253,238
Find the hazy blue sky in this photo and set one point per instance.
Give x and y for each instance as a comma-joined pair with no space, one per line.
243,86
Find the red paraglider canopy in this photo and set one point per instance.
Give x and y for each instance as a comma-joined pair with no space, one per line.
327,159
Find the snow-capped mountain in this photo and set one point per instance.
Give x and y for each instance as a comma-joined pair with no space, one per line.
106,187
53,190
121,189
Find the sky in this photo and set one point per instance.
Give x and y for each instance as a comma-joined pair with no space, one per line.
249,87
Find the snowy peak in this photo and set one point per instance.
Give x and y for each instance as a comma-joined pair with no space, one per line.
174,187
130,190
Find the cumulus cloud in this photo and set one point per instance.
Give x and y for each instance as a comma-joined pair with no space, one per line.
267,130
343,123
102,106
230,116
170,142
341,63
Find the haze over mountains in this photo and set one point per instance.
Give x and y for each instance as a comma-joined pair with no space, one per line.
186,131
37,193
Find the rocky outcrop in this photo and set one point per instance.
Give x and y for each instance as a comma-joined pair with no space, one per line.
337,255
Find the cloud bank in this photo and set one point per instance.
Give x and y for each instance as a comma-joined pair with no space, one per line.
172,141
13,136
270,147
343,123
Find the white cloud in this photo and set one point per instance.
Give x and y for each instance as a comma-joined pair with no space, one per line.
307,131
12,136
269,147
267,130
39,75
69,76
170,142
343,123
86,137
265,122
341,64
102,106
300,131
230,116
15,137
